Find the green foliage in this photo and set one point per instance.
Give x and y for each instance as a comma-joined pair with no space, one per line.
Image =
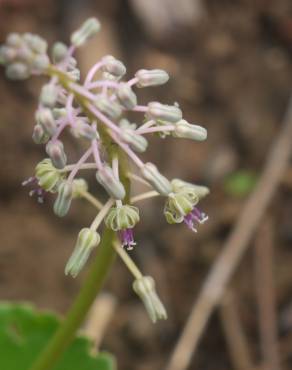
24,333
240,183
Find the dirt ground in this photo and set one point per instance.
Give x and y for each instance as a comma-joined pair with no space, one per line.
231,71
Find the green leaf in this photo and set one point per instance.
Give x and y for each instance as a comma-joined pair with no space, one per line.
240,183
24,332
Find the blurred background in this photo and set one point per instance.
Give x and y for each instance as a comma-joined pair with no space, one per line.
231,71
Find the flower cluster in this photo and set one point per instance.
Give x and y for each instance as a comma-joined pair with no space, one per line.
96,112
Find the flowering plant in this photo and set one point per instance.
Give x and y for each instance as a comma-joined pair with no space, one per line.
97,113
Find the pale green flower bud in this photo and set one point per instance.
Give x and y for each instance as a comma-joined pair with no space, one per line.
86,241
36,43
163,112
113,66
45,118
59,51
59,113
17,71
55,149
159,182
39,136
136,142
40,63
64,198
7,54
79,187
84,130
126,96
49,95
47,175
178,205
111,184
145,289
180,185
183,129
88,29
122,217
152,77
112,109
14,39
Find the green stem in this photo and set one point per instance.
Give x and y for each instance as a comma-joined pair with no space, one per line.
78,311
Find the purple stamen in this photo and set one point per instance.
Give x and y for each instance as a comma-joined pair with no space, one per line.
37,190
195,216
127,238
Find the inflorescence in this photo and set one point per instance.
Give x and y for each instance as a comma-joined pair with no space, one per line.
94,111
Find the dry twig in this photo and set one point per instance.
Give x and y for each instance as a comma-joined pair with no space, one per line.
265,289
235,246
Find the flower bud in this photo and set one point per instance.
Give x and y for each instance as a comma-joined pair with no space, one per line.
45,118
88,29
59,52
111,184
145,289
180,185
79,187
40,63
14,39
113,66
74,74
136,142
64,199
39,136
59,113
154,177
47,175
36,43
86,241
49,95
152,77
186,130
122,217
112,109
7,54
55,150
84,130
170,113
17,71
126,96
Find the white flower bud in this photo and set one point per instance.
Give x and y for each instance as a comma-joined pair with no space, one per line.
88,29
59,113
14,39
79,187
49,95
145,289
126,96
87,240
63,202
113,66
39,135
45,118
7,54
59,51
154,177
40,63
36,43
84,130
111,184
180,185
112,109
169,113
55,150
136,142
183,129
17,71
152,77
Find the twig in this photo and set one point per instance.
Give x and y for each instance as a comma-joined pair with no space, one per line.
235,336
235,246
264,283
99,316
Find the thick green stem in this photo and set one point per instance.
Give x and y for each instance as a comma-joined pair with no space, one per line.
78,311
